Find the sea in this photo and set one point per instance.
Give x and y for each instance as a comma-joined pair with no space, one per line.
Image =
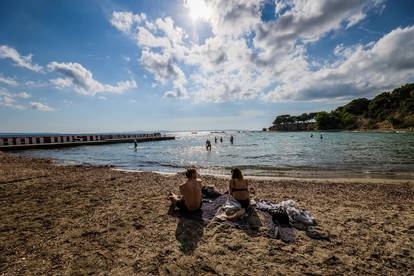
256,153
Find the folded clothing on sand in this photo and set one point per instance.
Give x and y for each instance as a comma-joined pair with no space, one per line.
296,216
210,192
231,206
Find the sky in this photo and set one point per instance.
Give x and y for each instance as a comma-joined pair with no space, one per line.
110,66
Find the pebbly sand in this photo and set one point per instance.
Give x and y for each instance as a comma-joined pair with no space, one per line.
96,220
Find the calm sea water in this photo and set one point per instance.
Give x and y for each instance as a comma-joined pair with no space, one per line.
257,153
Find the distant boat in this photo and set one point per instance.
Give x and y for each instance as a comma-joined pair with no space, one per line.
217,132
194,132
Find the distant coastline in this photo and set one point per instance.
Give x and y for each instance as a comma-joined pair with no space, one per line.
387,112
404,130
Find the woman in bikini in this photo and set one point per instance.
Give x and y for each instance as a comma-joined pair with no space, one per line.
239,188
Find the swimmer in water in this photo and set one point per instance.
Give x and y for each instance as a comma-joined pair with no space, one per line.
208,145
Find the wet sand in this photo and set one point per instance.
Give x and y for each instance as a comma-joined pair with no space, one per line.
89,220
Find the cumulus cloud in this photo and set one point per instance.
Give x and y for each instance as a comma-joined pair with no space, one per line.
354,19
8,81
6,93
76,76
248,58
124,21
307,21
7,52
162,47
10,102
40,106
23,95
366,69
8,99
234,17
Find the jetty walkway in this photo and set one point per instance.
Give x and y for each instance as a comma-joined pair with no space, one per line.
55,141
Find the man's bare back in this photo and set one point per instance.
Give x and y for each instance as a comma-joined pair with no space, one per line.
191,193
191,196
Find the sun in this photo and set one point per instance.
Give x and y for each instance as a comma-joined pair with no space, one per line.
198,9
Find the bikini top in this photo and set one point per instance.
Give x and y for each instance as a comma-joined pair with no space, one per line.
239,190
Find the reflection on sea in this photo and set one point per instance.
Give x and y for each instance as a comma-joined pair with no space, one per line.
258,153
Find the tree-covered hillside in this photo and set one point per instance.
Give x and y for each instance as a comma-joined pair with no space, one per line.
388,110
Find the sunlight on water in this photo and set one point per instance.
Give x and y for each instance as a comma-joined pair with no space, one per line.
257,153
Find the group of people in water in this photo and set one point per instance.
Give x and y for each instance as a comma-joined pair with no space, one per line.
208,142
320,136
190,198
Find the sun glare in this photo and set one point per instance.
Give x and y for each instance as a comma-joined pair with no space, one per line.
198,9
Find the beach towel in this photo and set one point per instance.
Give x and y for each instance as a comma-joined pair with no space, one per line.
279,219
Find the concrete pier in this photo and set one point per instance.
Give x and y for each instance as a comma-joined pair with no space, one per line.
56,141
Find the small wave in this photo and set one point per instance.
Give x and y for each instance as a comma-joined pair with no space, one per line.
269,168
261,156
157,163
245,145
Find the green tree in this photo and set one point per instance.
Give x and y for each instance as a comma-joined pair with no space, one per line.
283,119
357,106
348,121
325,121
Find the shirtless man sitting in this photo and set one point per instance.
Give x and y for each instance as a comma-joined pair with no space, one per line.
190,193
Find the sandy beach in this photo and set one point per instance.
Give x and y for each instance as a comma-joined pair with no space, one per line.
96,220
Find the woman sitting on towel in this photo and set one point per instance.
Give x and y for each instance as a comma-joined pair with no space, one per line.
239,188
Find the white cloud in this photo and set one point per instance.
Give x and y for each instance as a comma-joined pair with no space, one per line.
23,95
146,39
81,79
365,70
234,17
19,60
247,58
40,106
36,84
354,19
8,81
8,99
61,82
10,102
124,21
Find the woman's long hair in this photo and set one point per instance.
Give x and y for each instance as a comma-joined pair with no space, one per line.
236,174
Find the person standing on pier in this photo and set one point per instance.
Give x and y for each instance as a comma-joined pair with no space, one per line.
221,139
231,139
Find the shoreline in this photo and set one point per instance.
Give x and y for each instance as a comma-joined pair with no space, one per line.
302,175
78,219
351,179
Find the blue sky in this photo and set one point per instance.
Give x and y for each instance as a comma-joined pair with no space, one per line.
99,66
